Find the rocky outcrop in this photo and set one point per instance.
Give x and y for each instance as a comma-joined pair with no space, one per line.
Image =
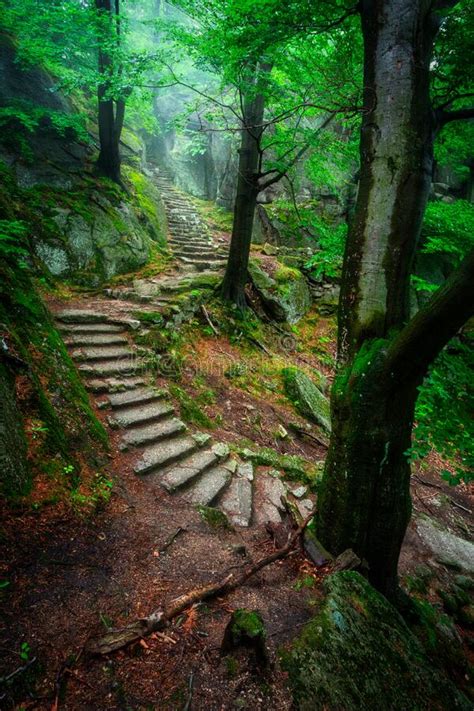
358,653
285,296
306,397
14,470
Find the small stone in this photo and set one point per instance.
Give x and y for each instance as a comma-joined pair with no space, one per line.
274,473
305,506
299,492
245,470
282,432
221,450
247,453
230,465
201,438
239,549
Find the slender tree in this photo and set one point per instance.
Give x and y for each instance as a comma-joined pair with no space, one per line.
365,502
111,111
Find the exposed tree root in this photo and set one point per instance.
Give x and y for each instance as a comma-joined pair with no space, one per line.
157,620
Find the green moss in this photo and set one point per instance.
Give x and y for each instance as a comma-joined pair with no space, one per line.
294,467
213,517
190,408
248,623
358,653
149,201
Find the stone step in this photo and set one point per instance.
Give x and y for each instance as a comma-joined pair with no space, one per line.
151,433
208,486
101,353
201,265
199,257
90,328
139,414
99,339
158,456
182,474
132,397
186,249
81,316
130,366
113,385
236,501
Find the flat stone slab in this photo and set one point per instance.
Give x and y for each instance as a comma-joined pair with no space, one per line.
158,456
445,546
135,415
187,470
90,328
208,486
130,397
101,353
113,385
81,316
99,339
237,501
154,432
128,366
268,501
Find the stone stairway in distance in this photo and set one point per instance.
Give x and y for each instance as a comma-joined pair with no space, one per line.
183,463
190,239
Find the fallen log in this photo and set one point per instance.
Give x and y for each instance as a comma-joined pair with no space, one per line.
158,619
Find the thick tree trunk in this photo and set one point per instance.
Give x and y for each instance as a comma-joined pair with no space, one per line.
365,501
233,286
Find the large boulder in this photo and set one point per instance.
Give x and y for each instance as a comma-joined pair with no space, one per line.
446,548
358,653
307,397
285,296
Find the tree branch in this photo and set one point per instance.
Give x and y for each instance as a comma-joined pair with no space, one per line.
418,344
444,117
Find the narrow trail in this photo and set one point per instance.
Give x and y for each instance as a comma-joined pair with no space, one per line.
120,375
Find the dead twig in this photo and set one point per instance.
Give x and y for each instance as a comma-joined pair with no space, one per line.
5,679
157,620
304,433
171,539
190,694
208,319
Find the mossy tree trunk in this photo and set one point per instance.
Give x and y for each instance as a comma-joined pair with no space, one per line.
248,188
15,475
111,112
365,503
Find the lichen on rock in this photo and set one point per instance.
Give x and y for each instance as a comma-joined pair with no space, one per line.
358,653
306,397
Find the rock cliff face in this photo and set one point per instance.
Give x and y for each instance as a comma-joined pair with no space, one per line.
89,229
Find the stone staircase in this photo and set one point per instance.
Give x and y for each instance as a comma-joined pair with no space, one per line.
184,463
192,243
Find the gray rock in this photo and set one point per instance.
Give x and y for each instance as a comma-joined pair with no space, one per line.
306,397
188,470
55,258
237,501
286,299
358,653
221,449
445,546
299,491
245,470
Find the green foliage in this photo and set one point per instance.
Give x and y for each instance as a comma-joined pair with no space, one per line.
191,408
448,228
12,242
30,117
327,261
444,412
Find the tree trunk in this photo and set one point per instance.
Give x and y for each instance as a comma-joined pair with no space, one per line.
365,500
235,277
110,113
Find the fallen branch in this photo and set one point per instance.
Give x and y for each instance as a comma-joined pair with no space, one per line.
304,433
119,638
208,319
171,539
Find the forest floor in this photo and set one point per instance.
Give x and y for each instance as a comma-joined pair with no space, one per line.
73,573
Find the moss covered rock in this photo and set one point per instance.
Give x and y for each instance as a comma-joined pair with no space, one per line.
285,296
246,629
358,653
306,397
